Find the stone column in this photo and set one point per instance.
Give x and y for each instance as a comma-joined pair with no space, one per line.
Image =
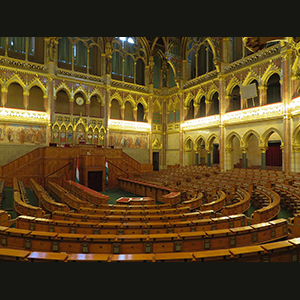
149,119
164,137
4,95
71,106
88,108
262,95
229,163
25,99
196,110
134,113
222,163
181,119
244,158
263,157
208,158
122,111
285,96
106,116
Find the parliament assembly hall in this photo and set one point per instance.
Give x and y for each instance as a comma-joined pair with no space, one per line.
150,149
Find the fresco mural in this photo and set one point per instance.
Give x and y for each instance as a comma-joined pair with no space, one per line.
22,134
124,140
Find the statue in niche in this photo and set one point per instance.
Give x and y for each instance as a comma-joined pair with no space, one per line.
51,47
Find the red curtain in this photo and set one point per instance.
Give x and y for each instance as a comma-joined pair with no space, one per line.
274,155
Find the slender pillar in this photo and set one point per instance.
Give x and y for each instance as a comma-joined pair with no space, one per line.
244,161
197,158
285,96
263,159
208,158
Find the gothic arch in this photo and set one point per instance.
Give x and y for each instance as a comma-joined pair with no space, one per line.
185,144
250,77
15,79
267,134
130,99
117,97
247,136
272,69
63,87
213,88
37,82
188,99
233,82
83,92
229,138
199,137
208,144
199,95
143,102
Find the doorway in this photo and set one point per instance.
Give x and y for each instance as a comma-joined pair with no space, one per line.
216,154
155,161
274,154
95,180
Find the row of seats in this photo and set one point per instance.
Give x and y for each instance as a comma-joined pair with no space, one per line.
287,251
143,243
45,200
84,193
23,208
74,226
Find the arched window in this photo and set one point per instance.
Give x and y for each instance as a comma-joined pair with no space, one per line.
190,114
80,57
253,102
128,113
273,89
95,106
140,113
214,106
62,102
36,99
81,54
200,57
64,53
202,110
115,110
126,56
129,68
15,96
235,101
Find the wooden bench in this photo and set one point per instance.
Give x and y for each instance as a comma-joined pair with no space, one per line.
143,243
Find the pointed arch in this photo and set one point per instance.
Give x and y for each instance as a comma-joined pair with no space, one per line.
248,135
38,83
272,69
199,95
15,79
117,97
199,137
267,134
143,102
232,84
83,92
63,87
188,99
130,99
208,144
186,145
229,138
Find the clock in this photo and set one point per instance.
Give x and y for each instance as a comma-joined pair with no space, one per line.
79,101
